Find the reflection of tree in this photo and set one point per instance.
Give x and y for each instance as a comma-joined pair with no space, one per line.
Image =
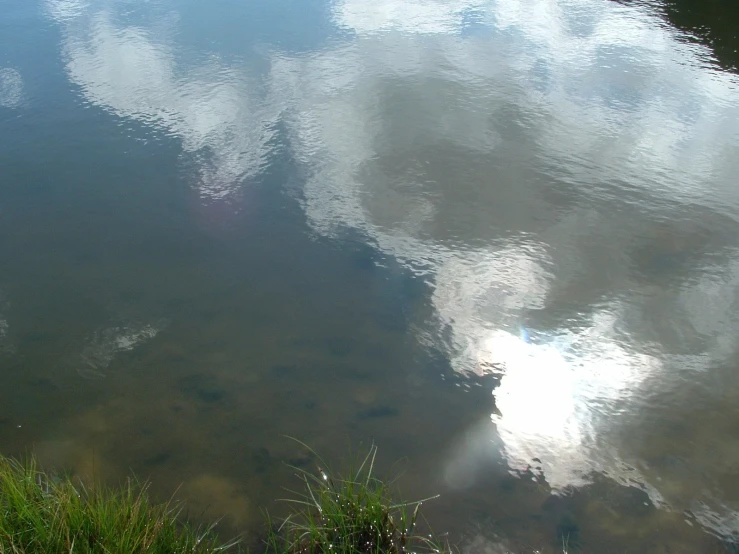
710,22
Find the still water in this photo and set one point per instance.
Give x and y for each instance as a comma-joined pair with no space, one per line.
499,238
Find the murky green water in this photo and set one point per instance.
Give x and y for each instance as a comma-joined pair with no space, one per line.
498,238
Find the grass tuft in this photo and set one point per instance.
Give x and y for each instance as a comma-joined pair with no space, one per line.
353,514
45,514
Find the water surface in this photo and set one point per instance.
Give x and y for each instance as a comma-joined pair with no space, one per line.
498,238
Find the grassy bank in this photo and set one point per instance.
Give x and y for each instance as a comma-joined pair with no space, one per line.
48,514
352,512
347,513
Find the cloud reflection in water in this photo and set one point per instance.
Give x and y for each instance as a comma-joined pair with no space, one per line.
630,125
518,155
214,109
11,88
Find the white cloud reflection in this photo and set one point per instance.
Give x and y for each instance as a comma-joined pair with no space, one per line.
214,109
5,344
431,129
554,397
105,344
412,16
3,334
11,88
601,95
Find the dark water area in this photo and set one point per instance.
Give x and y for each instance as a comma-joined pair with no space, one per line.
710,22
499,238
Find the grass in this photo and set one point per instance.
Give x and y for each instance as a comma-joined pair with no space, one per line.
41,513
45,514
354,514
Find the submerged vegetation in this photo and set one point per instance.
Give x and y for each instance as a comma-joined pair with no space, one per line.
349,514
42,513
